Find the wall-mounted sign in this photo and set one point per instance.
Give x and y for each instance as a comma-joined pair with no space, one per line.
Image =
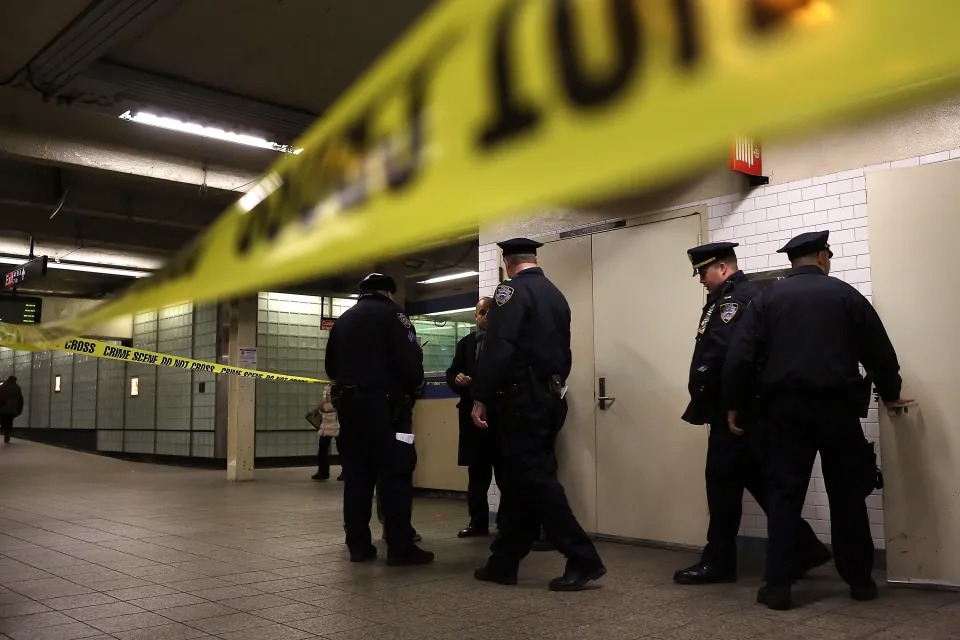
20,309
36,268
326,324
247,358
745,156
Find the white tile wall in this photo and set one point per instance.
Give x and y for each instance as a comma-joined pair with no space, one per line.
140,416
174,393
95,392
112,388
40,386
23,369
109,440
289,341
762,220
6,363
85,375
204,348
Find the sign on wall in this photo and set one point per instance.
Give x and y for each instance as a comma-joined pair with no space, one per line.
746,157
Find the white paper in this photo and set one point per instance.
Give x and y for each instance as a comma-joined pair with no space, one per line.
247,358
405,437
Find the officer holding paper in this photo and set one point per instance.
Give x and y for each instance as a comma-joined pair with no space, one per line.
376,364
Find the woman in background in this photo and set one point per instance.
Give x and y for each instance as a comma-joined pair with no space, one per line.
324,418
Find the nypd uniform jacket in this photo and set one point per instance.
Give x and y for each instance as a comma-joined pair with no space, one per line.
528,334
810,332
373,346
718,324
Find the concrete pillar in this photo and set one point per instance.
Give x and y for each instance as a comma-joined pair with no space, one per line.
241,392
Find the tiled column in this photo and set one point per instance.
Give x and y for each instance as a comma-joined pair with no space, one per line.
241,405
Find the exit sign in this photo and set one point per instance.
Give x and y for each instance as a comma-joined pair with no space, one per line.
36,268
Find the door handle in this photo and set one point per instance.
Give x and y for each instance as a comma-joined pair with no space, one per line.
605,401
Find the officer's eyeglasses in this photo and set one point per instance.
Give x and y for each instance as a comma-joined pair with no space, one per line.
481,312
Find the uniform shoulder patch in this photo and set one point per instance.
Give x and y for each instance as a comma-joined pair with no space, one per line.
503,294
404,320
728,311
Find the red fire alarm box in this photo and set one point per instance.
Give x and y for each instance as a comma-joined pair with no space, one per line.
745,156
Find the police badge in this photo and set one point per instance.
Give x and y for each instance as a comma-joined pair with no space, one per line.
728,310
402,317
503,295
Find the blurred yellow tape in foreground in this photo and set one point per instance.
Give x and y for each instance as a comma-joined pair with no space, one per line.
493,107
98,349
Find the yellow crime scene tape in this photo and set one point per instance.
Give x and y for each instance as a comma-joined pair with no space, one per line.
99,349
500,107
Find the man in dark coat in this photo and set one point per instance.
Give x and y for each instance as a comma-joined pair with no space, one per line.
479,448
11,405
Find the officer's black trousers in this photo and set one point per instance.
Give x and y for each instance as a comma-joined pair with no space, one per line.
531,494
369,450
735,463
796,428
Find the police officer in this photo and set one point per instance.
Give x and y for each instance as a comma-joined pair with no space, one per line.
733,462
519,385
805,337
377,368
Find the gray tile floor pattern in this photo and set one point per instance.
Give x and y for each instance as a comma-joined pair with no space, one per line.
92,547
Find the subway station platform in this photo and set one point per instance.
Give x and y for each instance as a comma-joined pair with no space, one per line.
94,547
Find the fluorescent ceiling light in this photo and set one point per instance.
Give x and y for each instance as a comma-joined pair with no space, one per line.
173,124
450,312
452,276
89,268
92,268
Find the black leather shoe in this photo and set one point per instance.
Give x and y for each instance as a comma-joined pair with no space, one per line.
811,562
486,574
865,592
701,573
472,532
320,476
363,555
413,557
576,580
775,597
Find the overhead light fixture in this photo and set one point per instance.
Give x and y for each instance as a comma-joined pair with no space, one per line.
92,268
450,312
88,268
452,276
193,128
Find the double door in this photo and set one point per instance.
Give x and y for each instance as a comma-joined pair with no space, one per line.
631,467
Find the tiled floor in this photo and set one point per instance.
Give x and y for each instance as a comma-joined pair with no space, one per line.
92,547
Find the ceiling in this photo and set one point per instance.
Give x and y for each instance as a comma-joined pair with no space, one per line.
78,180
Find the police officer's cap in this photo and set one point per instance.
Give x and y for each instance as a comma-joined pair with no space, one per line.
707,254
519,246
807,243
378,282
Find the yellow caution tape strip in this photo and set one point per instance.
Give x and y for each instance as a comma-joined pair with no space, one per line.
503,106
98,349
